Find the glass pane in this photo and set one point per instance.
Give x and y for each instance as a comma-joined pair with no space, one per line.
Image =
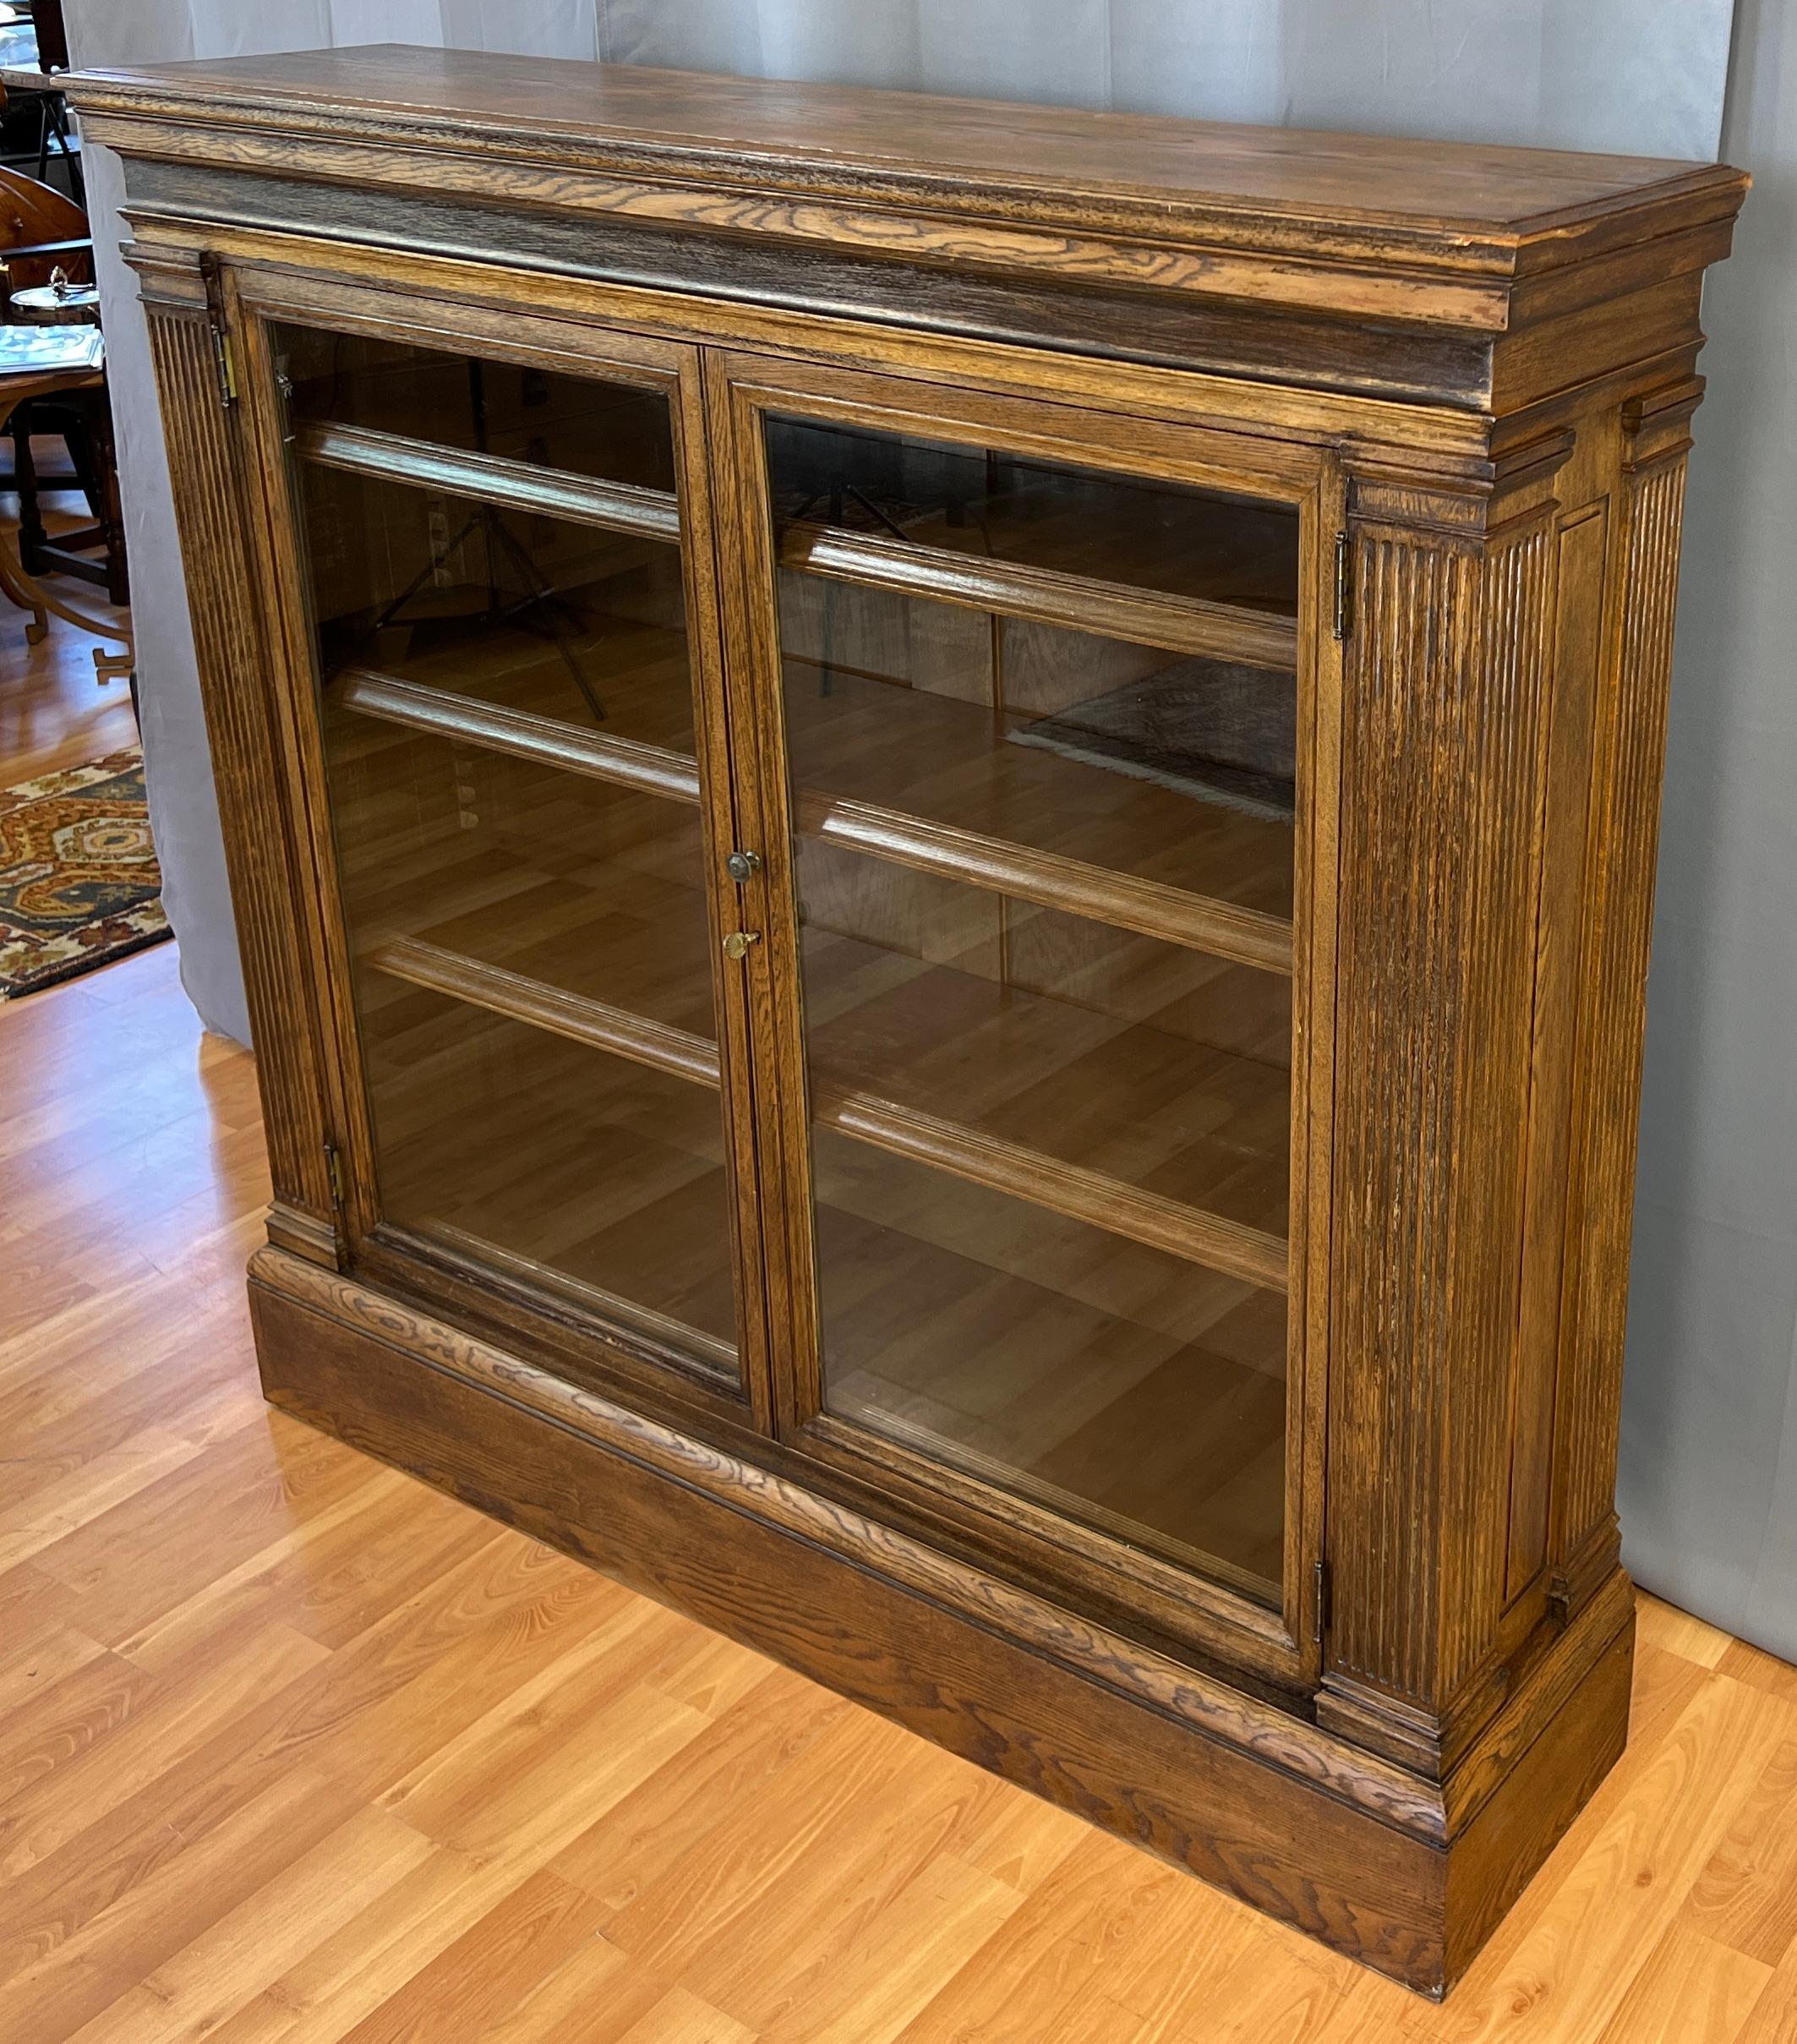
1085,522
1166,766
1004,1097
1162,1067
555,1161
576,884
509,607
543,417
1128,1388
530,945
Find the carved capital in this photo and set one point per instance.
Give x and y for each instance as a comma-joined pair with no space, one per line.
1449,500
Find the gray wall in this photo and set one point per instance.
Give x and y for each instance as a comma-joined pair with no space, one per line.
1709,1452
1709,1477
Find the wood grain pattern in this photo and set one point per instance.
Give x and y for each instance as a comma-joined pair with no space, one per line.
1442,768
691,1835
1629,764
1215,1812
269,883
1499,260
1581,580
1312,360
1113,1174
1433,199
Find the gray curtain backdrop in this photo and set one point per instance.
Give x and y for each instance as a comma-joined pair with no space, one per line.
1708,1491
1709,1476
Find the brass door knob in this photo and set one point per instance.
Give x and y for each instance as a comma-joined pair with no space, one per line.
743,866
736,944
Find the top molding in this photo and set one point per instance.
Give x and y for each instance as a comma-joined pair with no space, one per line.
1465,239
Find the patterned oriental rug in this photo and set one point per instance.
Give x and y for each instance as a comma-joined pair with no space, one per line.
79,885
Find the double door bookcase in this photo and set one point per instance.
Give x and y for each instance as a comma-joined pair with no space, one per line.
942,820
841,980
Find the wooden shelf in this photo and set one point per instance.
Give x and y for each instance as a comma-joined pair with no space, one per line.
932,781
1102,1202
638,670
1051,881
1029,1175
1097,525
1080,1376
1049,878
562,892
654,1044
491,479
1074,1367
490,1126
970,1057
1046,596
525,736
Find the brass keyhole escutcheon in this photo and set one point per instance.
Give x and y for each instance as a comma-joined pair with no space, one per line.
736,944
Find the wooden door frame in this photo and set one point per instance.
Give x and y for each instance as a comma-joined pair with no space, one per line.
582,1348
1048,1551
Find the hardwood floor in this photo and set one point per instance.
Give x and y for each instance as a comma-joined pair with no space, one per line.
52,711
292,1749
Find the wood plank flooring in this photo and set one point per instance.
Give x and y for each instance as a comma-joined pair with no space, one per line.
53,712
293,1749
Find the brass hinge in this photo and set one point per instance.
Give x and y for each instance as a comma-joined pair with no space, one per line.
1319,1609
1344,587
224,355
334,1168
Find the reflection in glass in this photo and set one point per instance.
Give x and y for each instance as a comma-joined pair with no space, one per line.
525,910
1131,530
575,883
513,608
552,1162
1037,1133
1139,1392
1163,1069
543,417
1167,766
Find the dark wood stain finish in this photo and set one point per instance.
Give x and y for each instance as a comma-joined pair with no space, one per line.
1360,1665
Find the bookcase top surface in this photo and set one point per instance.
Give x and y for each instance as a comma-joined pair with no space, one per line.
1457,205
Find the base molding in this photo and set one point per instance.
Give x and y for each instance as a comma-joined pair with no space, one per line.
1408,1875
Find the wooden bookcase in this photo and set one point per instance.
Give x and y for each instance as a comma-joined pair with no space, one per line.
943,823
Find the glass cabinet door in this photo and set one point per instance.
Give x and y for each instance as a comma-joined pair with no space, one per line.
1041,743
492,557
